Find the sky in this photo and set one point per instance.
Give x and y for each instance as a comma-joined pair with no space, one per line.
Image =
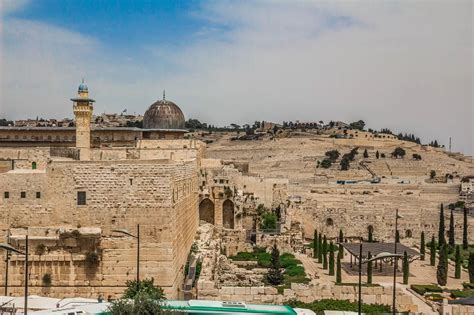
402,65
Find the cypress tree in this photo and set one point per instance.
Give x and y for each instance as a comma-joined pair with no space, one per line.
397,236
451,229
366,154
457,270
341,251
465,243
274,275
442,269
377,155
331,259
441,232
325,253
315,244
433,251
422,246
369,269
338,269
341,236
320,248
470,267
406,268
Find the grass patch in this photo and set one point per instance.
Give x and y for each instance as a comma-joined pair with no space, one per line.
340,305
468,285
355,284
462,293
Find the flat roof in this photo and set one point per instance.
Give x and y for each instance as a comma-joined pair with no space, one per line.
25,128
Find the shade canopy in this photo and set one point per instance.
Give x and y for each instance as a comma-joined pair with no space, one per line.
378,248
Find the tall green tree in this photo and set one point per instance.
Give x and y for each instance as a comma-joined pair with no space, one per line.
451,229
315,244
458,263
366,154
341,236
441,232
406,268
325,253
397,236
320,248
470,267
465,243
433,251
338,269
341,251
331,259
274,275
369,269
377,155
422,246
442,269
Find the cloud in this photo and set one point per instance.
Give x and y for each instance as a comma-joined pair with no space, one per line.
396,64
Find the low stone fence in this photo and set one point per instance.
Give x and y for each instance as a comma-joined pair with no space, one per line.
306,293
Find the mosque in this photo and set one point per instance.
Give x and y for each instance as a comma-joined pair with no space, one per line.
163,120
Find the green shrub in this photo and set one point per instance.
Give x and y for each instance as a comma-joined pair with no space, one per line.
340,305
295,271
436,297
243,256
468,285
269,221
462,293
47,280
423,288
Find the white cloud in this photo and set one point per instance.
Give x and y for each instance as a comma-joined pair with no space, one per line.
402,65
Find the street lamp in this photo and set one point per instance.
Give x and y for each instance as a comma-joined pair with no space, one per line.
395,265
10,248
137,237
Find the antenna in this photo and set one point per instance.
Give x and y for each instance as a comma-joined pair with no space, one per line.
164,95
449,144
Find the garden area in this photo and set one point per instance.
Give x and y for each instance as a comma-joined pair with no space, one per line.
283,269
340,305
435,293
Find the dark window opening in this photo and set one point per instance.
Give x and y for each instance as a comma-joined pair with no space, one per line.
6,194
81,198
38,194
23,194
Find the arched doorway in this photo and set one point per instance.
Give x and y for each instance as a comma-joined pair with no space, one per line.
206,211
228,214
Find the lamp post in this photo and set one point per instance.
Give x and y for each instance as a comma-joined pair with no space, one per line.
381,256
395,265
7,259
10,248
137,237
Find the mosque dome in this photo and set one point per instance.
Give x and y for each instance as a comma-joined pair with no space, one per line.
163,114
82,87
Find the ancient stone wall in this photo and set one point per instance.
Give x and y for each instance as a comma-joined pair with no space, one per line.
160,196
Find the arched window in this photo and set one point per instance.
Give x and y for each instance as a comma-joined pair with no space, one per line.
33,165
408,233
329,222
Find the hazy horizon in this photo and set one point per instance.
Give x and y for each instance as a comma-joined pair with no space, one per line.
402,65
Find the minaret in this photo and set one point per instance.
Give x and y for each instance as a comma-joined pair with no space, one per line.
83,114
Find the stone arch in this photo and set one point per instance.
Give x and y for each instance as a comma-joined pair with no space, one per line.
370,229
228,214
206,211
329,222
408,234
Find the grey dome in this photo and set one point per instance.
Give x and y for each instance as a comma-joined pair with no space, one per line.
163,114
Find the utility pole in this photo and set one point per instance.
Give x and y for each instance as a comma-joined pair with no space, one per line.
449,144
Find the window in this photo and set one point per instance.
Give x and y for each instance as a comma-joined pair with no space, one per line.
81,198
33,165
23,194
6,194
38,194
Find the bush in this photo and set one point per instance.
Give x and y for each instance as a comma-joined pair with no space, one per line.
468,285
462,293
398,152
423,288
326,163
269,221
295,271
416,156
145,286
340,305
40,249
333,155
243,256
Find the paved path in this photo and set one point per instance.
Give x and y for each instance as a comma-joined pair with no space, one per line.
310,266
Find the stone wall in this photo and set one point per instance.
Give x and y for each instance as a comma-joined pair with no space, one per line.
161,196
305,293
